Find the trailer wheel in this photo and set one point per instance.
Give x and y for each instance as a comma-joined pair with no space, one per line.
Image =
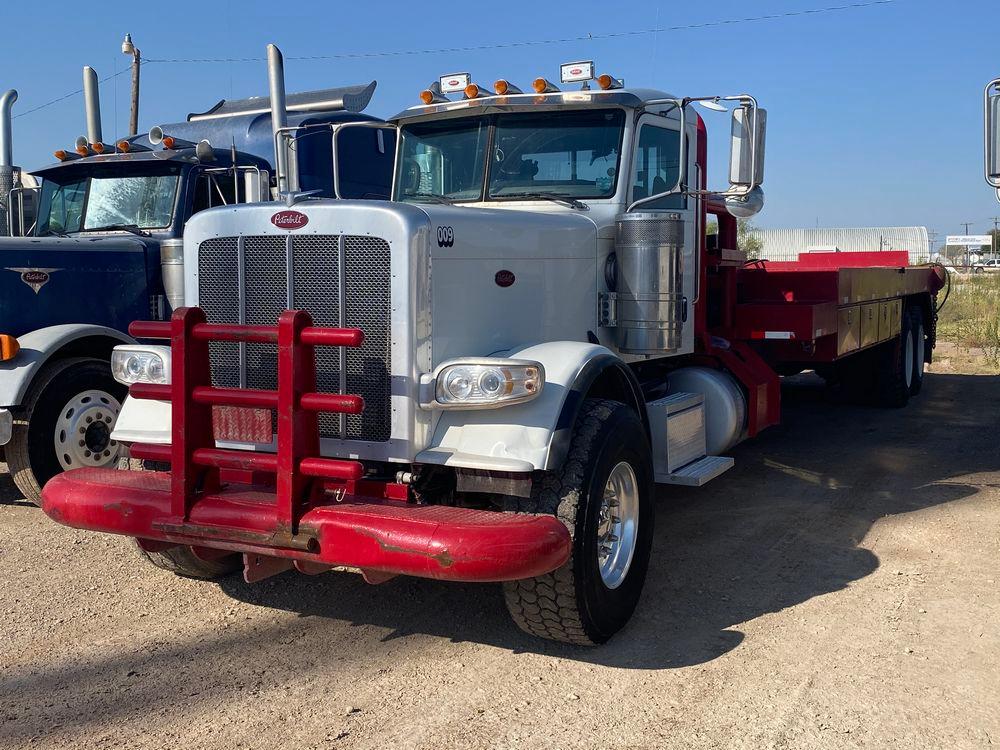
65,423
183,562
894,367
604,495
919,349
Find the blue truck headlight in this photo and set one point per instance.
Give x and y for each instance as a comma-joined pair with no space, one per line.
141,364
485,383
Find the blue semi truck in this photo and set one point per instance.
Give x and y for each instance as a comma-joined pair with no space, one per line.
105,248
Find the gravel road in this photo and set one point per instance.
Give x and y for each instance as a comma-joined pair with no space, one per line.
838,588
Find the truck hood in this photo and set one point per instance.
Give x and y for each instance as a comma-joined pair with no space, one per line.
102,280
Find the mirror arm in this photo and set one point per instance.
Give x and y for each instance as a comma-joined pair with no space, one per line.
988,127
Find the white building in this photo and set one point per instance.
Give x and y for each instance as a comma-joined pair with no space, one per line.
786,244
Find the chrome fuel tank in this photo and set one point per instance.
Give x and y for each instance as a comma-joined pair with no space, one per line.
650,301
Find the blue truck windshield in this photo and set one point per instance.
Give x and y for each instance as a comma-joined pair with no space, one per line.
94,202
509,156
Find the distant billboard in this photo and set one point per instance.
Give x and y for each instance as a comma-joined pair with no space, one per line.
969,240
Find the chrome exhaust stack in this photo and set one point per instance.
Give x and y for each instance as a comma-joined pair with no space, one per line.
285,163
92,103
6,157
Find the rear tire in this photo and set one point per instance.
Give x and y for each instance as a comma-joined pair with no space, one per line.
894,367
66,397
604,495
182,561
919,349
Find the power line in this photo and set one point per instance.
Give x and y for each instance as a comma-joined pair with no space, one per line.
65,96
539,42
481,47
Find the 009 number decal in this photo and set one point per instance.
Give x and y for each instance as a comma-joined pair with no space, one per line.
446,236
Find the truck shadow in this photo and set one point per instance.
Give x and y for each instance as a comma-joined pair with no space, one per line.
781,528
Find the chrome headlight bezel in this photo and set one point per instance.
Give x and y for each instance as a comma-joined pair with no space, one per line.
141,363
493,382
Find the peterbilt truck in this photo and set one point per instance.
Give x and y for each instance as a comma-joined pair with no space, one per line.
105,249
487,377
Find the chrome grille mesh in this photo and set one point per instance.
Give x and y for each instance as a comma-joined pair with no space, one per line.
318,263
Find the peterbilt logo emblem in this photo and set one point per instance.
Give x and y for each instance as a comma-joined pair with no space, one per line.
289,220
452,83
504,278
36,278
575,72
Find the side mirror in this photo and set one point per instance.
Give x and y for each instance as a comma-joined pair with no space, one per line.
256,186
991,103
746,151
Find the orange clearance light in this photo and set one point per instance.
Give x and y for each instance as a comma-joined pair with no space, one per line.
61,155
82,150
539,85
168,141
472,91
124,146
427,96
607,82
501,87
98,147
8,347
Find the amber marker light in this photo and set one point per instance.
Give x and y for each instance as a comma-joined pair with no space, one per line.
472,91
8,347
168,142
124,146
427,96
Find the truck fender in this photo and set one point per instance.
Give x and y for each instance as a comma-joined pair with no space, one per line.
38,347
536,434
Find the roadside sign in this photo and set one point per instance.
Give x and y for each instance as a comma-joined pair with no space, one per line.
969,240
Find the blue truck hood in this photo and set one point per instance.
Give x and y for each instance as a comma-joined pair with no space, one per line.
102,280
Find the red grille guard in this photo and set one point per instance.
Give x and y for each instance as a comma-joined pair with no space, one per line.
317,513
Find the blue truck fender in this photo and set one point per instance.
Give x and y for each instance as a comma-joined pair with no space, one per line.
55,342
536,434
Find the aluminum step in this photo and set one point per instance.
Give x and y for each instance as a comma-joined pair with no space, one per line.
699,472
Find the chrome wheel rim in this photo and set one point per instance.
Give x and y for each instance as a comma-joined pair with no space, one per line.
83,431
618,525
918,361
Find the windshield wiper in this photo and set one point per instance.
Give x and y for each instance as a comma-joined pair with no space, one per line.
52,233
562,199
433,197
133,228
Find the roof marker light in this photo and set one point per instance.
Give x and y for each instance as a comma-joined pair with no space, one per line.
607,82
64,155
543,86
124,146
100,148
432,94
81,146
503,87
168,142
474,91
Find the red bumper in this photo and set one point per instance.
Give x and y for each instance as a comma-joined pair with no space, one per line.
430,541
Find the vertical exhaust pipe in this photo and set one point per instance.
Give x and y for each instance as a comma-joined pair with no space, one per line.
92,102
6,143
284,156
6,158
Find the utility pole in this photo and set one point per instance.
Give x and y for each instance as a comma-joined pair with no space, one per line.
993,245
130,49
966,224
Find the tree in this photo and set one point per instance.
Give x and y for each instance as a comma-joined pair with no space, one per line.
746,240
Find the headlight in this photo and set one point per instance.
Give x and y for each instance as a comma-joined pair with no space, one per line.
141,364
487,382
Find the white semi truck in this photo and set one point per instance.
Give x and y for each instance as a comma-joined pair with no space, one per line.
485,377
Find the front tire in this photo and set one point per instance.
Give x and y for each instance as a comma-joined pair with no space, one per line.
183,562
65,423
604,495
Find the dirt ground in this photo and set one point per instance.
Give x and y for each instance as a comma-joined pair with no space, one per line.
838,588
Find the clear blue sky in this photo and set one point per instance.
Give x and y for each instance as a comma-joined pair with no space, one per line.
874,114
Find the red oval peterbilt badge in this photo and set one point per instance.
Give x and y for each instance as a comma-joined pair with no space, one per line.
289,220
504,278
575,72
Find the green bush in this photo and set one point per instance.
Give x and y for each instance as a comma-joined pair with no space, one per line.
971,315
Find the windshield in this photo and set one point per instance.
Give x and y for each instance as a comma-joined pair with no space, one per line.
557,154
95,202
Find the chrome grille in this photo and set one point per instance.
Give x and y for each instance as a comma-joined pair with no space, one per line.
342,280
